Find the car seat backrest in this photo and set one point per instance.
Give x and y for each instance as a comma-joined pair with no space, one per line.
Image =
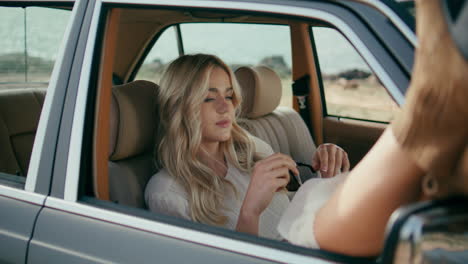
281,127
20,110
132,129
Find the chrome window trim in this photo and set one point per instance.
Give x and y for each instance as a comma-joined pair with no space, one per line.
187,234
22,195
38,145
76,137
395,19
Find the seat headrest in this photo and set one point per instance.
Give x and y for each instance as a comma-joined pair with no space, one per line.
132,119
261,90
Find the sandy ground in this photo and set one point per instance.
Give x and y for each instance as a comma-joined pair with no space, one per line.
364,99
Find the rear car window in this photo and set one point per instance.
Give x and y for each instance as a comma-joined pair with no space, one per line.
29,42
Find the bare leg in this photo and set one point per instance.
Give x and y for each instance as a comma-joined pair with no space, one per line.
353,221
427,140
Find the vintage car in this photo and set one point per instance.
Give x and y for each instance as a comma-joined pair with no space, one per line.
77,121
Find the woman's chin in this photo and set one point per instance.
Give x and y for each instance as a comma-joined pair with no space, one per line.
223,138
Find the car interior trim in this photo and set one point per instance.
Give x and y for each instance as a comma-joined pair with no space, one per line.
102,128
381,7
39,139
177,232
22,195
76,137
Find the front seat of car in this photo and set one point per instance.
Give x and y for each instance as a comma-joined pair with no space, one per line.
132,128
281,127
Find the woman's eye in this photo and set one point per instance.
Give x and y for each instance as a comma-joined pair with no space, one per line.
229,97
208,99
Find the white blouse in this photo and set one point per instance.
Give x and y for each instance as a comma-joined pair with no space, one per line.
164,195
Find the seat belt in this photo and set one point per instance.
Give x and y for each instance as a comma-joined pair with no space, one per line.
301,90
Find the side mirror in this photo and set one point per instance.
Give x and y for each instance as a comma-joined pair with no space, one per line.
428,232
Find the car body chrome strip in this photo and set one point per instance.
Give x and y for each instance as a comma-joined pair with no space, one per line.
187,234
76,137
22,195
37,149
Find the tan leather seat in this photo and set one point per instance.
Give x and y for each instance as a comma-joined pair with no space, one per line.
132,129
20,110
281,127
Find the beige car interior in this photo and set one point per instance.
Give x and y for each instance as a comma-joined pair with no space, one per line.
281,127
20,110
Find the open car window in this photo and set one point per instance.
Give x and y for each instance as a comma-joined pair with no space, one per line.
351,88
237,44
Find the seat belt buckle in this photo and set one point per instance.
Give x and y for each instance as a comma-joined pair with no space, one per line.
301,90
302,102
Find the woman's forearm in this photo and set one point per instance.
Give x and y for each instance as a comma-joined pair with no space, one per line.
248,222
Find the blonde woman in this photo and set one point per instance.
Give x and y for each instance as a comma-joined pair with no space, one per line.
210,169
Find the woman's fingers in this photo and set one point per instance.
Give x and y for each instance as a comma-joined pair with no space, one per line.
277,160
338,162
281,183
346,164
330,160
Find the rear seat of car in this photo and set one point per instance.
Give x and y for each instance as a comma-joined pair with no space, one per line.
281,127
20,110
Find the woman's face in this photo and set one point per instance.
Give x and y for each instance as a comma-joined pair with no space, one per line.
217,110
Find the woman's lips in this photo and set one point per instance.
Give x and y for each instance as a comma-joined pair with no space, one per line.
223,123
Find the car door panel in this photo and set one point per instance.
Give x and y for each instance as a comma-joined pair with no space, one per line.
64,237
16,226
354,136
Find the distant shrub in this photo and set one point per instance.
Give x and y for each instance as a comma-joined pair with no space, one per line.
16,63
278,64
348,75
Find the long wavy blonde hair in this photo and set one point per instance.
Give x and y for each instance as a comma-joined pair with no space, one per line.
183,88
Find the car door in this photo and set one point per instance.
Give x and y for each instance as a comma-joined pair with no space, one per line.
27,113
78,222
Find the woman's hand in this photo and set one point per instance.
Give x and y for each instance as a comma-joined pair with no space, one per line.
330,160
269,176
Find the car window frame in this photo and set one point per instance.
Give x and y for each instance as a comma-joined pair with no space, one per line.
40,167
70,201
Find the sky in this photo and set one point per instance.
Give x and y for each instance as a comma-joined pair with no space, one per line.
234,43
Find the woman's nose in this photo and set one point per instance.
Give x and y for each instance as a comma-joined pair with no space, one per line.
221,105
